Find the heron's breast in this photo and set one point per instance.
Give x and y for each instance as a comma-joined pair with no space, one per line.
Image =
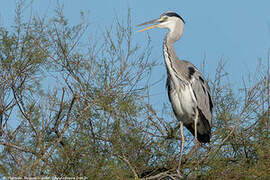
183,102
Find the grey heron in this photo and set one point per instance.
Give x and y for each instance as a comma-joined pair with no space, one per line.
188,90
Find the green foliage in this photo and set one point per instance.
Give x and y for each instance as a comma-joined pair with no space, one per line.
82,109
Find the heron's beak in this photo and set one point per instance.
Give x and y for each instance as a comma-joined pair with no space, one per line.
149,27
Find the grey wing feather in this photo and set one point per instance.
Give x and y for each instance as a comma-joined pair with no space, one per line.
203,95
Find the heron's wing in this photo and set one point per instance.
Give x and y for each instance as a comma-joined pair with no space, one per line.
190,74
199,86
202,93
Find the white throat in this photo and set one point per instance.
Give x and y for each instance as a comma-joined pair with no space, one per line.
176,30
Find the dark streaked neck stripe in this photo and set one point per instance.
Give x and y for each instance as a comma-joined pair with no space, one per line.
169,53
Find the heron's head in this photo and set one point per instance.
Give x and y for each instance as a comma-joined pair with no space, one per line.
169,20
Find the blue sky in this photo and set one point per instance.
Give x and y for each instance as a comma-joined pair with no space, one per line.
237,31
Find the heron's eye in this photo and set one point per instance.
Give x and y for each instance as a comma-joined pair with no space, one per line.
164,18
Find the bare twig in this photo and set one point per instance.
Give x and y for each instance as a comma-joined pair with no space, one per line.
129,164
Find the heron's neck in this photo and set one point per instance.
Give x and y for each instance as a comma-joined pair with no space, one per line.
168,49
174,34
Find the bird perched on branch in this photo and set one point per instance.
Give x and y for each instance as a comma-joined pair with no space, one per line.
188,90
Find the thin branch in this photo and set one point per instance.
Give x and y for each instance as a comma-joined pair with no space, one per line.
129,164
24,149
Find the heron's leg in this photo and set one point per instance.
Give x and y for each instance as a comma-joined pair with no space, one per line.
196,142
182,144
196,122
